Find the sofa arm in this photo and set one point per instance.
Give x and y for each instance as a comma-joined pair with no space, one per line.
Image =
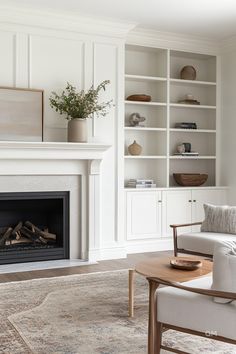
175,226
207,292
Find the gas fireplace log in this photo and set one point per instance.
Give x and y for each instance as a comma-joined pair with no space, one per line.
22,240
44,234
5,236
32,235
16,229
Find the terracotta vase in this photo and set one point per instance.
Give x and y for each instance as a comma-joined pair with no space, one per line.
77,130
135,149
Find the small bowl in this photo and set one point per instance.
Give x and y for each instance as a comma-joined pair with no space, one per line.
185,264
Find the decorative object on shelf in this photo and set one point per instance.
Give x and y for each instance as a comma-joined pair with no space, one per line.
185,125
139,97
135,119
21,114
185,264
78,106
188,72
187,147
189,99
180,148
135,148
141,183
190,179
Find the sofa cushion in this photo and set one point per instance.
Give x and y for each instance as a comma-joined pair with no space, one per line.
194,311
220,219
202,242
224,268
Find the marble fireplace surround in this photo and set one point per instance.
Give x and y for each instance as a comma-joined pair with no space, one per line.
45,166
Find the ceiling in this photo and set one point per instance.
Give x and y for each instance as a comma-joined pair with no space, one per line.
214,19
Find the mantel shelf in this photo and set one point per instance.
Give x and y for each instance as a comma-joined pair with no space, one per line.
51,150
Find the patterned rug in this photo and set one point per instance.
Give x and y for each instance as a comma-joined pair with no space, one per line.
83,314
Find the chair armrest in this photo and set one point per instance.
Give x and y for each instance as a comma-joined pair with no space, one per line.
174,226
207,292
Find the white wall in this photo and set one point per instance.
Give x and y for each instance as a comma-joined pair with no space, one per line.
42,55
228,123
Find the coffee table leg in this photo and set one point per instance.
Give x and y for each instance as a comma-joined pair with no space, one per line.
131,292
152,324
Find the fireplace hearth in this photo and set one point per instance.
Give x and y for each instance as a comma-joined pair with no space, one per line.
34,226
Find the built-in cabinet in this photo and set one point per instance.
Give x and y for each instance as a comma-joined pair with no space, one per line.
150,213
156,72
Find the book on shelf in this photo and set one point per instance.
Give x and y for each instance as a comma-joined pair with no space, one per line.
139,180
141,183
153,185
192,153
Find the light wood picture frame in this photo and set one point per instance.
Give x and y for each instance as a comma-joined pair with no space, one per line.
21,114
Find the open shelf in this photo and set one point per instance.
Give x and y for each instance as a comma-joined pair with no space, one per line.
144,78
156,72
176,157
192,82
145,103
197,106
145,129
154,157
177,130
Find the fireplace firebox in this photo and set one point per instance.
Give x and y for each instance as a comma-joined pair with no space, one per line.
34,226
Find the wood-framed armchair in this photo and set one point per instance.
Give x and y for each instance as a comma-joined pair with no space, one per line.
189,308
197,243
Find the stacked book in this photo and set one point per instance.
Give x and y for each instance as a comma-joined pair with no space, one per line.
141,183
192,153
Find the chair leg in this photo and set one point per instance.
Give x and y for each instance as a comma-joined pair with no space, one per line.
158,338
175,242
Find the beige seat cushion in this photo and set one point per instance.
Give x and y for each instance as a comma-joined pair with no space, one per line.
202,242
197,312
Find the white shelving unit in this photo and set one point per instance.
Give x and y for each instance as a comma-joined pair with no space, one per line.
156,72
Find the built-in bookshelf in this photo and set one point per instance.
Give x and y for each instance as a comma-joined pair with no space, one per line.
156,72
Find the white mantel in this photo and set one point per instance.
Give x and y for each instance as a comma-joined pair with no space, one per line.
63,159
51,150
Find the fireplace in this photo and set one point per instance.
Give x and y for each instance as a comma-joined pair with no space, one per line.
34,226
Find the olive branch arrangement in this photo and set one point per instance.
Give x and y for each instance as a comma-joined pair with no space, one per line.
82,104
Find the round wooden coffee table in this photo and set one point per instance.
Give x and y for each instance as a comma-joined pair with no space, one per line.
161,268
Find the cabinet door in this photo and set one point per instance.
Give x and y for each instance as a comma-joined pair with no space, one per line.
199,197
143,215
176,210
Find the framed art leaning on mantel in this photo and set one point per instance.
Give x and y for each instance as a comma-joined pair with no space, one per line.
21,114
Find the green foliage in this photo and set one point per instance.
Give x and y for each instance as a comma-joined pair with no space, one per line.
80,104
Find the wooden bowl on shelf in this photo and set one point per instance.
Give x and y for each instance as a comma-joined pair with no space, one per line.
190,179
185,264
139,97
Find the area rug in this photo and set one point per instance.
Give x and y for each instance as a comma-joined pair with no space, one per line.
83,314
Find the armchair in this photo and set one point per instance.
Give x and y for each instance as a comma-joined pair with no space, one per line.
189,308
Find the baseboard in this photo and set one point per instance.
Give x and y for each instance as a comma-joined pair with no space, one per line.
103,254
149,245
141,246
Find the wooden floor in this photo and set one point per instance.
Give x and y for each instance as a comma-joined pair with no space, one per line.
102,266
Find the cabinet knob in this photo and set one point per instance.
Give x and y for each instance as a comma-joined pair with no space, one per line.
190,201
194,200
159,201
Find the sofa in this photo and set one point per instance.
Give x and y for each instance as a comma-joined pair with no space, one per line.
219,225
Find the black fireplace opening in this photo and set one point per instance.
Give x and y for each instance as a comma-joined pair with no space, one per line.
34,226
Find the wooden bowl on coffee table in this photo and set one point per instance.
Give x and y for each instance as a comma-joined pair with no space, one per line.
185,264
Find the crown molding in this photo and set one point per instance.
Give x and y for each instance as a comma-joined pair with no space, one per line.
68,21
149,37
